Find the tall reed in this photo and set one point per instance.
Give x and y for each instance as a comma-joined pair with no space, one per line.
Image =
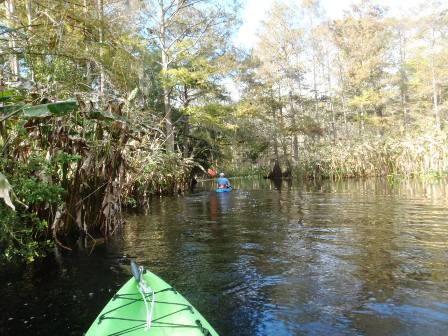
410,156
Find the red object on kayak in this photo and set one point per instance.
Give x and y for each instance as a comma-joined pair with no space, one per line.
211,172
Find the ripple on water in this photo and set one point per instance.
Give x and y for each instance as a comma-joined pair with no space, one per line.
346,258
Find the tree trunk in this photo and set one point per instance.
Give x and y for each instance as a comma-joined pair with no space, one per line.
282,126
276,173
13,59
100,4
186,124
295,146
333,122
167,107
403,79
316,104
330,102
435,99
166,89
274,114
362,120
295,142
344,107
314,51
29,15
88,63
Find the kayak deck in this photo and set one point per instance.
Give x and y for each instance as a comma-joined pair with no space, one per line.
125,314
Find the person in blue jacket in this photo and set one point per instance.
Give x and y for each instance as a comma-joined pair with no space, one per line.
223,182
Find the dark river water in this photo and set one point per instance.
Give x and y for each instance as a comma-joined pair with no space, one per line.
348,258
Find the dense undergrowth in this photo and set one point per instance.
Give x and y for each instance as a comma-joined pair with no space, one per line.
144,116
423,154
420,154
70,169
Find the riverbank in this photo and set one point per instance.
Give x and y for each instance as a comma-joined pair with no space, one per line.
423,154
68,171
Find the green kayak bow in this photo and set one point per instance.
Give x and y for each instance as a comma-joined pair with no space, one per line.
147,305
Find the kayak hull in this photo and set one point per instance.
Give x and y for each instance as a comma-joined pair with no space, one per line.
173,315
222,190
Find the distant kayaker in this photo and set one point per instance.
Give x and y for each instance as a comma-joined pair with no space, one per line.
223,182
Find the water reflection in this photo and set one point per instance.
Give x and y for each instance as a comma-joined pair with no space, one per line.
354,257
365,257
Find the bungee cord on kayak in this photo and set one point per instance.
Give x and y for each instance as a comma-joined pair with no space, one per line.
144,290
156,322
125,311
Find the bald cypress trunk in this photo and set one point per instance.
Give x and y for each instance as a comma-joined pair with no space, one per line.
100,9
88,62
14,66
435,98
166,89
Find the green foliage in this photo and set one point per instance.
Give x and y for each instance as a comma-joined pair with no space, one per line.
255,150
32,182
50,110
131,203
20,236
61,75
211,116
40,111
72,163
34,192
164,173
24,232
10,96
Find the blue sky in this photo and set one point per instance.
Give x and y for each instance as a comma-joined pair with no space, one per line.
254,11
